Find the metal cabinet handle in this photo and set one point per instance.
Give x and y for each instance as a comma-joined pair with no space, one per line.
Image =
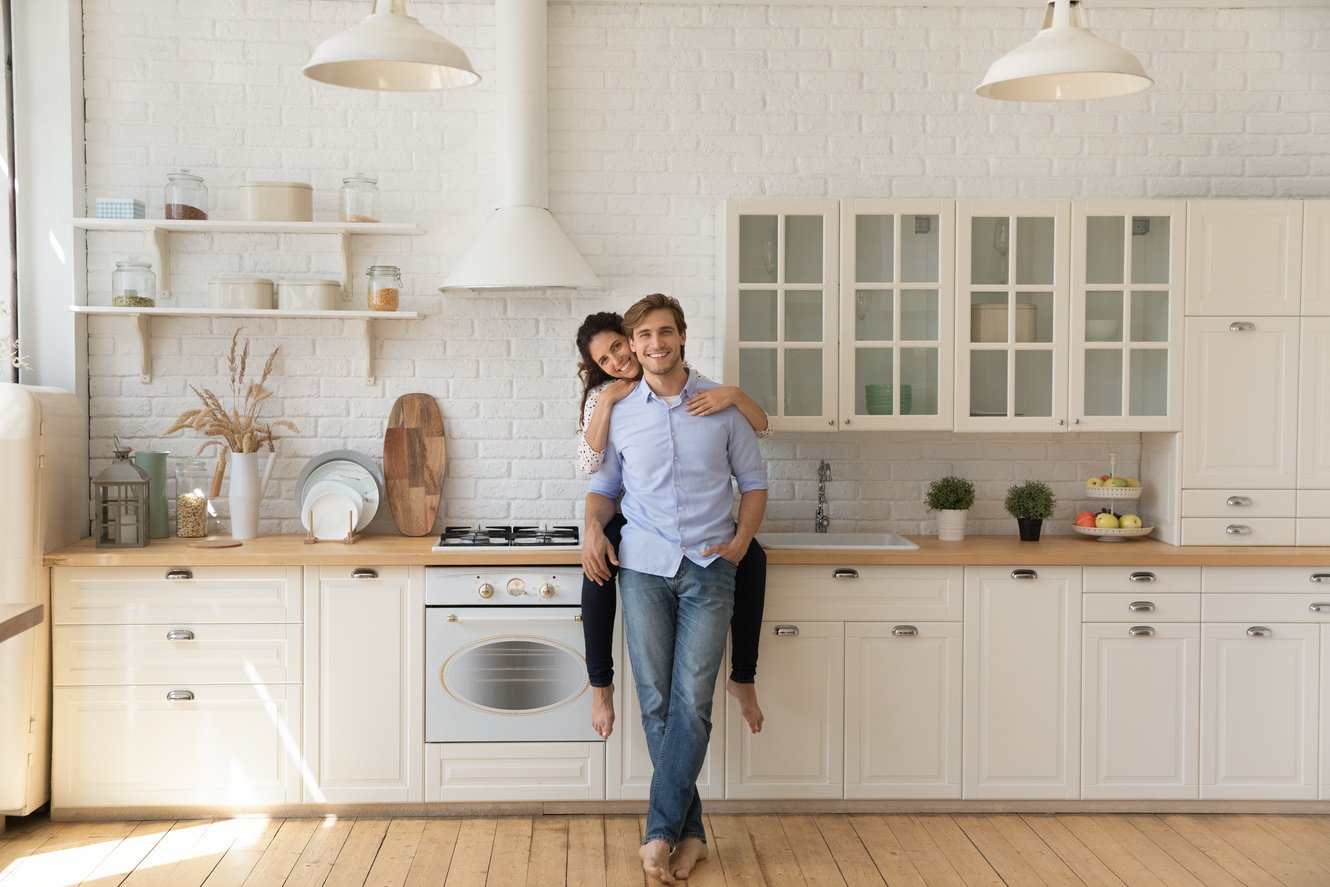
1024,574
364,573
1259,631
1319,577
1141,606
785,631
175,575
1319,606
1237,530
180,634
1141,631
1142,576
1241,326
844,573
905,631
180,695
1238,501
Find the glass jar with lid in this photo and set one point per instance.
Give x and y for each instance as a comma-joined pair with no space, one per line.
186,196
193,479
133,285
360,198
385,287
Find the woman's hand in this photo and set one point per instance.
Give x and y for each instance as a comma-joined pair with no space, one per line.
713,400
617,391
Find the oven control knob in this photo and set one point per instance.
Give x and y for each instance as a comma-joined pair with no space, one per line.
485,590
547,590
516,587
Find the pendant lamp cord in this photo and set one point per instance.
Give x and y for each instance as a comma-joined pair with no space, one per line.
1061,15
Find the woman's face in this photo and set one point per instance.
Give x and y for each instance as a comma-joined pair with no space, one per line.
611,353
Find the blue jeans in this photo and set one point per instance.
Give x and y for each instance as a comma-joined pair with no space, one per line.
676,640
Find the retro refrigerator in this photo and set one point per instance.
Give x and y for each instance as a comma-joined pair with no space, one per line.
43,506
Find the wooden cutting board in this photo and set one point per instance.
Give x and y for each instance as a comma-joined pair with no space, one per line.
413,461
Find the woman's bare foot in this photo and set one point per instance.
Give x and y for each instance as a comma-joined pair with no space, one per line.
656,861
689,853
602,710
746,694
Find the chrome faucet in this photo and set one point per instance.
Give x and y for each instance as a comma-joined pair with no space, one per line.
820,520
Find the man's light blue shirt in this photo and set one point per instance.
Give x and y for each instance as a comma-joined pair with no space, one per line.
675,470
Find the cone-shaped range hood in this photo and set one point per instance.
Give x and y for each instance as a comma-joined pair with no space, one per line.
522,246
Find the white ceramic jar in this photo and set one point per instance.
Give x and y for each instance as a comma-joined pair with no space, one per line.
277,201
309,295
237,291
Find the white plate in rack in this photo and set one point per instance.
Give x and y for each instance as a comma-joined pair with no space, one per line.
1113,493
1108,534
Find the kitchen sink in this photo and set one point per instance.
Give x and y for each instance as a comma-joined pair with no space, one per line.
866,541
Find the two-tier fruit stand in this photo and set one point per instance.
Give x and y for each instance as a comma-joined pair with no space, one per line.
1114,534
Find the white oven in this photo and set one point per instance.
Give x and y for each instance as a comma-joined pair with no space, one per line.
504,658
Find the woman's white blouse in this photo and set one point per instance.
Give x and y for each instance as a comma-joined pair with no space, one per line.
588,459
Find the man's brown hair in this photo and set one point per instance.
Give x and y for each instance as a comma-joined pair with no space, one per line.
632,318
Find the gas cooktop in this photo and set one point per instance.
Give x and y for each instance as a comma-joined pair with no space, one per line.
546,538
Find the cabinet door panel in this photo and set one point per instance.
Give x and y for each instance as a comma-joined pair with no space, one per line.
1244,256
1314,394
1316,257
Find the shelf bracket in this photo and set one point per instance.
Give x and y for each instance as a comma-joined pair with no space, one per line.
344,240
161,247
143,323
368,330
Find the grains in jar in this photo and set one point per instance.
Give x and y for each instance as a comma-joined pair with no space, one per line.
385,286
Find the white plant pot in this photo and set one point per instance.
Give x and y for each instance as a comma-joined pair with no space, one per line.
951,524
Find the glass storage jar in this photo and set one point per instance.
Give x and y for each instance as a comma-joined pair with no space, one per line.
133,285
193,479
385,286
360,198
186,196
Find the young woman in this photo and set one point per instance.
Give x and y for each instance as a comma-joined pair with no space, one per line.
609,372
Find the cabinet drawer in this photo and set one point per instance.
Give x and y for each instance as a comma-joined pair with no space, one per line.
1143,580
1238,505
206,653
1143,606
1313,531
1314,503
515,771
1291,580
1266,608
138,595
865,593
131,746
1238,532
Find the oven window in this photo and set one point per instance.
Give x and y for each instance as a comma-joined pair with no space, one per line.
515,676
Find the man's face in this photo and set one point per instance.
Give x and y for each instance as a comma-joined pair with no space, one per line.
658,343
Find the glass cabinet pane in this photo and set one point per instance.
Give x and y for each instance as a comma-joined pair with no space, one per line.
1103,382
803,249
757,377
874,248
1105,249
757,316
873,316
1103,317
803,381
1034,383
1034,317
990,243
803,316
873,382
1150,248
920,312
757,249
988,383
921,241
988,317
919,381
1149,382
1035,251
1149,317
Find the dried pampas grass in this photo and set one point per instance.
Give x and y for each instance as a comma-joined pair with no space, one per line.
238,429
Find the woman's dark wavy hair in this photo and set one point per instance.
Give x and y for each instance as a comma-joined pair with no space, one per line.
588,370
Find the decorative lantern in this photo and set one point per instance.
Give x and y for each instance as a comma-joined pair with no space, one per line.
120,503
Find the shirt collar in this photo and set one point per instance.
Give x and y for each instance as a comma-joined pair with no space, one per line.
686,393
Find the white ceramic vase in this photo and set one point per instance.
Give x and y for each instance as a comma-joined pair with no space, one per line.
246,493
951,524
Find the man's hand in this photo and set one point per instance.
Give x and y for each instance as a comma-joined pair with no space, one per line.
596,551
732,551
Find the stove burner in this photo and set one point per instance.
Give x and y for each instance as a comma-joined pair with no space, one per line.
514,536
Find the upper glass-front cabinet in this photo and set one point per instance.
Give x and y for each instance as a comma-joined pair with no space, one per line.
1128,261
781,307
897,293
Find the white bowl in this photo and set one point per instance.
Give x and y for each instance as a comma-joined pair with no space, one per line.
331,509
1103,330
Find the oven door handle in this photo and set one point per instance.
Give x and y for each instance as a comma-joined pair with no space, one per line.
453,617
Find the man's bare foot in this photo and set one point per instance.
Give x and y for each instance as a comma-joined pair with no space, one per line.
656,861
602,710
689,853
746,694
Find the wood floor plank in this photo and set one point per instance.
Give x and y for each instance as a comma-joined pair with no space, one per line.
1074,854
245,852
157,869
1276,857
961,851
811,852
133,848
549,852
710,872
1201,836
282,853
923,851
435,853
58,856
734,846
1160,864
883,847
358,851
1037,854
512,852
586,851
392,864
851,856
471,857
311,869
1113,854
1004,859
1187,854
623,835
775,856
1298,833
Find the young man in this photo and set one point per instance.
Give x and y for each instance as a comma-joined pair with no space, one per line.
677,559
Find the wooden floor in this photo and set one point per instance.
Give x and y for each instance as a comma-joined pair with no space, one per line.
590,851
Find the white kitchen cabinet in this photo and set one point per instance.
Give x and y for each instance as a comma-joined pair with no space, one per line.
515,771
1325,711
1315,258
800,751
1313,396
364,663
176,686
903,710
1244,257
1021,724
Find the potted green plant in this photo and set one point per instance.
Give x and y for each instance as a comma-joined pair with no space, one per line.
1030,503
951,497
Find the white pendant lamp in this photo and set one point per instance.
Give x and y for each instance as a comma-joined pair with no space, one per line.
1064,62
391,51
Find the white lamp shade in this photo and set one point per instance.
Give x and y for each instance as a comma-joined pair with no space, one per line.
393,52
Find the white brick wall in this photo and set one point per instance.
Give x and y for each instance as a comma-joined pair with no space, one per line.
657,113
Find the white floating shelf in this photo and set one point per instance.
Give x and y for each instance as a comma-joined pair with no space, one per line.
143,323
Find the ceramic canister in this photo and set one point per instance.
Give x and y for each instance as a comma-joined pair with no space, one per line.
277,201
241,292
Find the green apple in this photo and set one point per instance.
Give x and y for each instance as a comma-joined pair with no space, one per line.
1130,522
1106,521
1116,482
1094,481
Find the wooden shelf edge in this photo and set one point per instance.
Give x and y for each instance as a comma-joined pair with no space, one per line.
241,226
242,312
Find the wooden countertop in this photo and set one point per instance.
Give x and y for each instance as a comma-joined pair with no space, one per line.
409,551
18,618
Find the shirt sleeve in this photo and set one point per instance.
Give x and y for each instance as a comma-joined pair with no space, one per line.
608,481
765,433
588,459
750,473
